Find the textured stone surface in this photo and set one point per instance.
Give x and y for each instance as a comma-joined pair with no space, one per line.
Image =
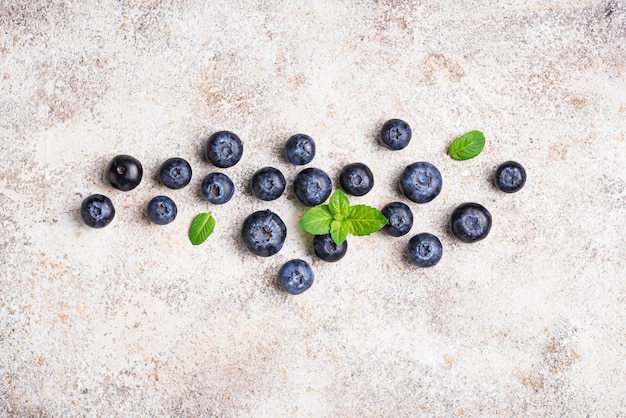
132,320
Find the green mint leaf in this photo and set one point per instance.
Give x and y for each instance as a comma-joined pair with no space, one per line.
365,220
201,227
339,205
338,231
317,220
467,146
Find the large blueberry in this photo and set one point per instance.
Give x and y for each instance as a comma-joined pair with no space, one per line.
97,211
223,149
400,219
470,222
124,172
268,183
263,233
312,186
218,188
162,210
326,249
420,182
510,177
300,149
295,276
425,250
356,179
175,173
395,134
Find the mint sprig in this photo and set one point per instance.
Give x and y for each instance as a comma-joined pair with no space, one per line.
467,146
201,227
339,219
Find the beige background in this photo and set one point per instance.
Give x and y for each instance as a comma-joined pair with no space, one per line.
133,321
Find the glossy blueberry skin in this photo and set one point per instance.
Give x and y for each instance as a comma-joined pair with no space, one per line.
217,188
295,276
312,186
400,219
300,149
470,222
425,250
263,233
223,149
175,173
124,172
162,210
356,179
421,182
326,249
268,183
510,177
97,211
395,134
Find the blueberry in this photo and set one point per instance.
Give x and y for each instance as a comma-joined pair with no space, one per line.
395,134
124,172
510,177
425,250
223,149
263,233
400,219
312,186
356,179
326,249
268,183
295,276
218,188
470,222
162,210
175,173
300,149
97,211
420,182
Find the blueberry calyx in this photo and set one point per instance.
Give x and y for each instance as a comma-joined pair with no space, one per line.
97,211
356,179
268,183
124,172
510,177
175,173
263,233
420,182
217,188
162,210
395,134
400,219
223,149
470,222
295,276
425,250
300,149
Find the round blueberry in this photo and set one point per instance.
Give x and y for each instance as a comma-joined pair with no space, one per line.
300,149
268,183
400,219
162,210
124,172
510,177
356,179
223,149
326,249
295,276
97,211
470,222
312,186
425,250
263,233
218,188
421,182
175,173
395,134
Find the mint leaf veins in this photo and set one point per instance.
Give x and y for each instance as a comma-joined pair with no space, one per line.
467,146
201,227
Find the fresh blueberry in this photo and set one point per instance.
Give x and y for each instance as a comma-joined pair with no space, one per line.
400,219
300,149
223,149
470,222
268,183
510,177
356,179
326,249
395,134
218,188
420,182
425,250
175,173
97,211
263,233
162,210
295,276
124,172
312,186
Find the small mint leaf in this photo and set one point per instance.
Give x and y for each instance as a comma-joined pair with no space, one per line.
467,146
339,205
338,231
365,220
201,227
317,220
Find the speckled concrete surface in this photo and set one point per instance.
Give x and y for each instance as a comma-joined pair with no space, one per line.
133,321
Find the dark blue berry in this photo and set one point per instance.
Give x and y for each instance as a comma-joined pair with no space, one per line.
97,211
218,188
470,222
223,149
312,186
124,172
326,249
175,173
356,179
395,134
162,210
268,183
300,149
420,182
510,177
295,276
400,219
425,250
263,233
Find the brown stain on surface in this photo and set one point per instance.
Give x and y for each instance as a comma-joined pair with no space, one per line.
435,64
